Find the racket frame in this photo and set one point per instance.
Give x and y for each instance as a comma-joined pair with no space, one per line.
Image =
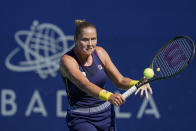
144,81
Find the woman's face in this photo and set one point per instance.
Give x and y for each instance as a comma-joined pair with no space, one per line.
87,40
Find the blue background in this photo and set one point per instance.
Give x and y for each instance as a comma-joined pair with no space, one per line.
130,30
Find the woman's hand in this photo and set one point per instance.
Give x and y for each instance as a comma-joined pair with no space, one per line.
145,88
116,99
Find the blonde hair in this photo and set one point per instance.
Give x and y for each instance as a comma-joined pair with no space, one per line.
80,25
79,22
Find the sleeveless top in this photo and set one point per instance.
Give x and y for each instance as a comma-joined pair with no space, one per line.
95,74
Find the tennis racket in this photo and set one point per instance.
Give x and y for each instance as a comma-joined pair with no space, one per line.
169,61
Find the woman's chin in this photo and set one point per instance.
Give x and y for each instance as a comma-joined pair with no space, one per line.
88,52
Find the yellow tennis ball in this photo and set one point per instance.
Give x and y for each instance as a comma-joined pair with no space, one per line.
148,73
158,69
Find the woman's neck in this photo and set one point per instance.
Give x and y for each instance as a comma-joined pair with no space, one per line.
85,59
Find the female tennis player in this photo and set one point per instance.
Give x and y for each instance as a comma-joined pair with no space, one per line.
84,70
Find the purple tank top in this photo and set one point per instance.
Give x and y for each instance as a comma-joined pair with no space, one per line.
95,74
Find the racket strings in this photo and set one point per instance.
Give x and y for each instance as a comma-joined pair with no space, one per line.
173,58
160,63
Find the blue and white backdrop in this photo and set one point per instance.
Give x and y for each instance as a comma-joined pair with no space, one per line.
35,33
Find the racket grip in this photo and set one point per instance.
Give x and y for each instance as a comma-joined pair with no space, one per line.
129,92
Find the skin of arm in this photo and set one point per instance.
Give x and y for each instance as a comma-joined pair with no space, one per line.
111,70
116,77
69,68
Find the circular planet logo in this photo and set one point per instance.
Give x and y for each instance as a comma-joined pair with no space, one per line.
40,50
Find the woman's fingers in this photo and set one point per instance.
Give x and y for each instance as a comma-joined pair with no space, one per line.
116,99
145,88
150,90
137,91
146,93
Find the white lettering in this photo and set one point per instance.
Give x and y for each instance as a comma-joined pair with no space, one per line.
8,106
153,111
40,109
125,115
59,111
8,99
120,115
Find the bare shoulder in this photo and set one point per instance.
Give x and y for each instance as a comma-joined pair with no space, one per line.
100,50
67,63
67,59
102,53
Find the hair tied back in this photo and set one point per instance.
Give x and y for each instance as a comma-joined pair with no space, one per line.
77,22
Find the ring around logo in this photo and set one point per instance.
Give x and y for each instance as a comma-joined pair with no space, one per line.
42,47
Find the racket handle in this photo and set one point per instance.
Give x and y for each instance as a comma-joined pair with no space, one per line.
129,92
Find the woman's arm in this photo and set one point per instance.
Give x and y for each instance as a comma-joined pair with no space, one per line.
117,78
112,72
69,68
